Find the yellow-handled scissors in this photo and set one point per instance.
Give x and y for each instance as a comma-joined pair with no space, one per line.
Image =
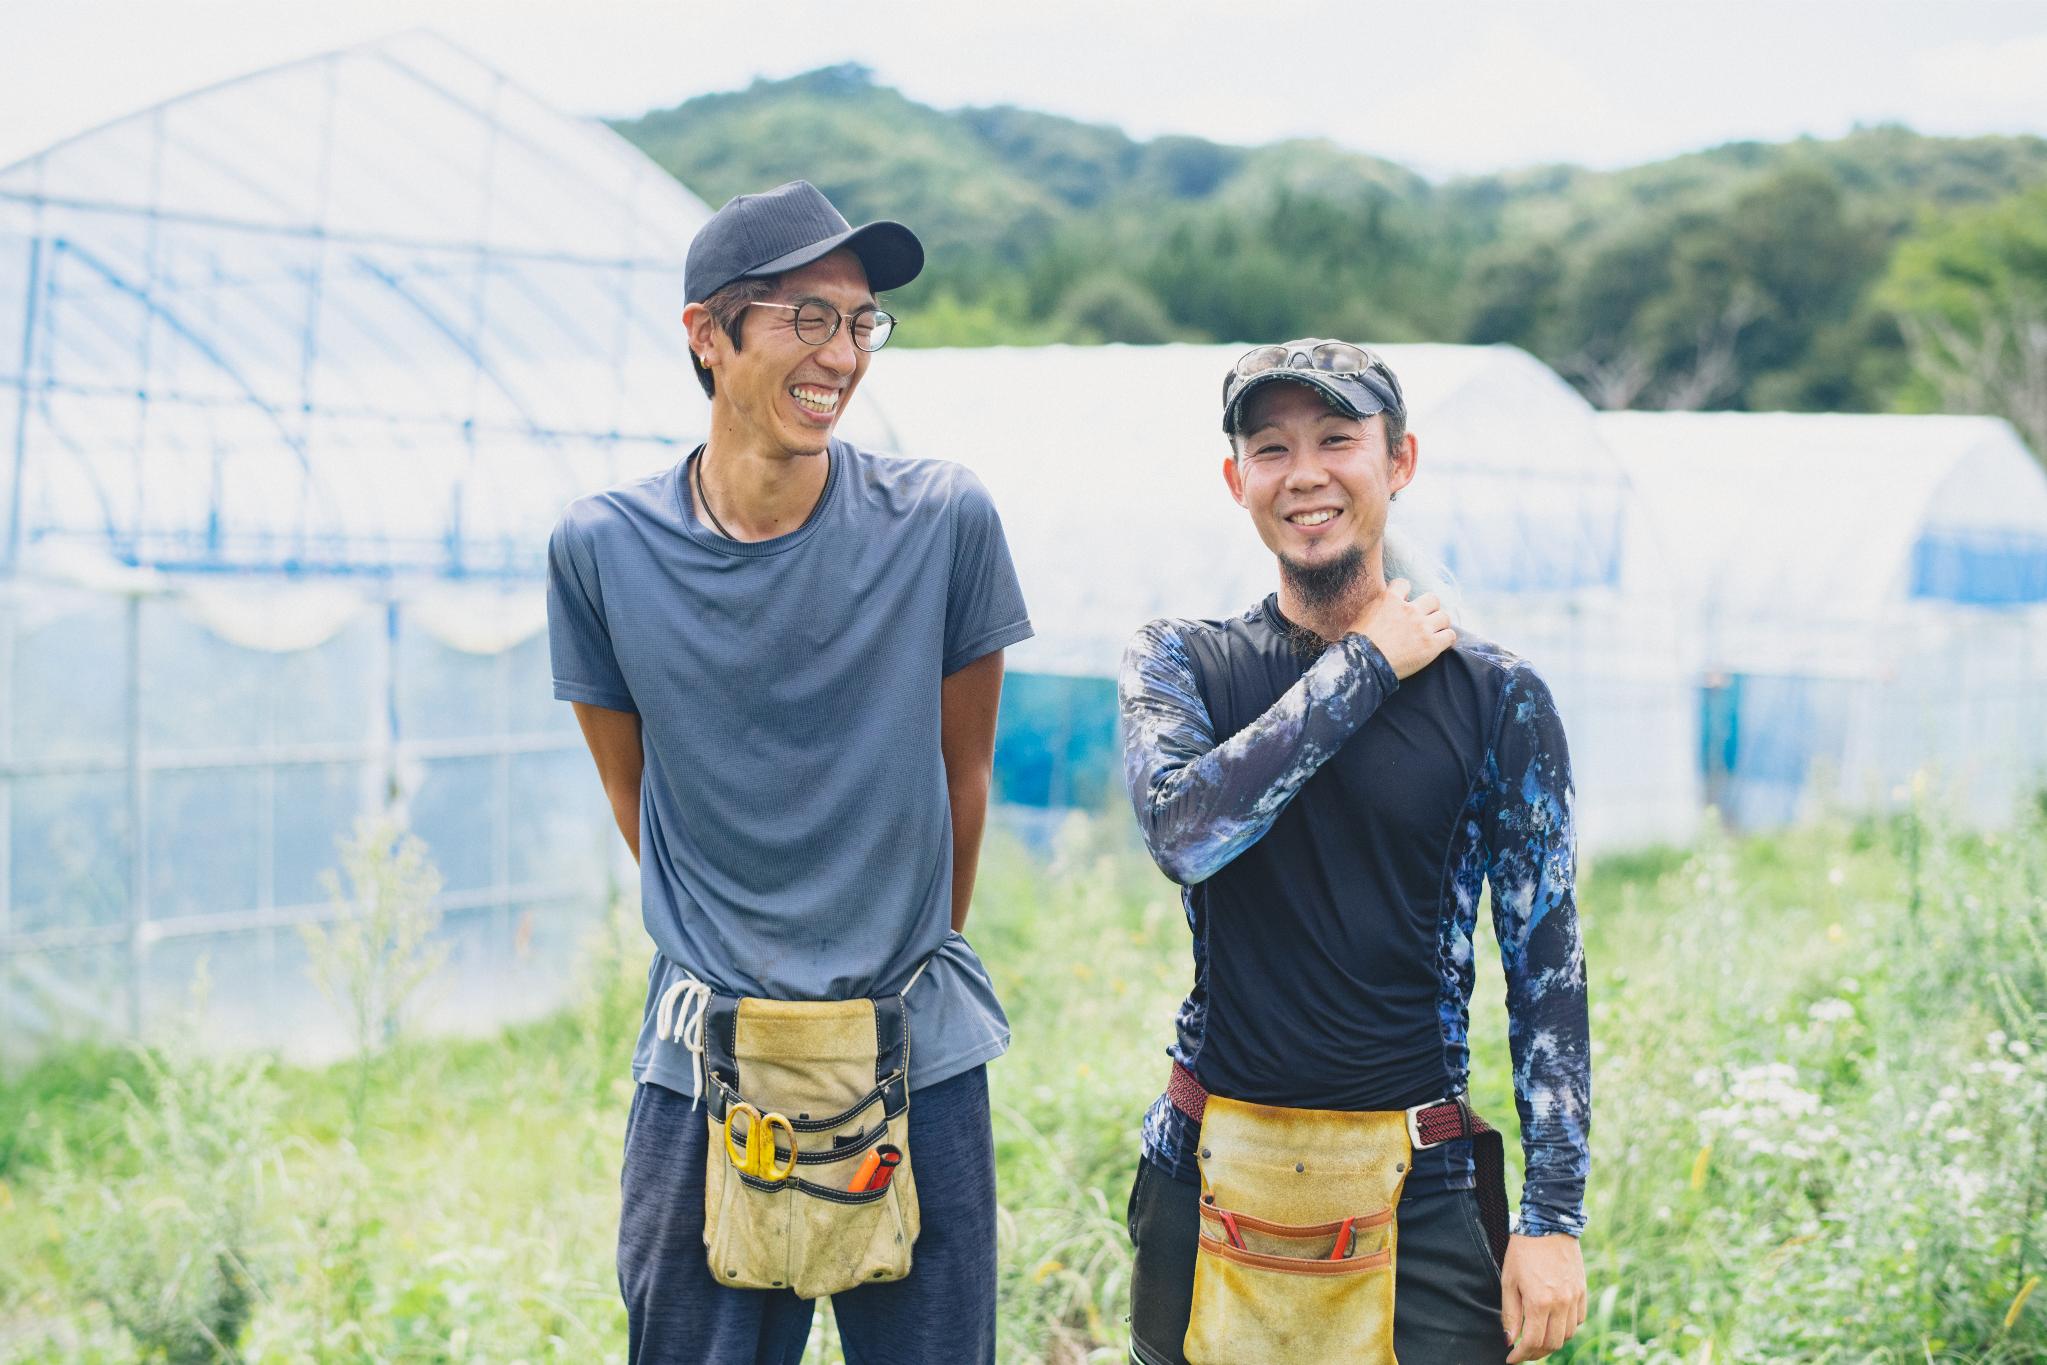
758,1157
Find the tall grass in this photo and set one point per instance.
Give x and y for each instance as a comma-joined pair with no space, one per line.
1820,1097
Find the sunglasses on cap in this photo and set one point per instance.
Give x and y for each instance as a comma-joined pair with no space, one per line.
1311,356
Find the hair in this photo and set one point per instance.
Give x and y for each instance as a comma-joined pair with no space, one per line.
727,306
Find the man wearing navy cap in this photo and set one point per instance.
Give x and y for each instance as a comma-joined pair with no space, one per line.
1333,777
786,655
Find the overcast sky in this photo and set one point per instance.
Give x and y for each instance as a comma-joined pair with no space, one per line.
1444,87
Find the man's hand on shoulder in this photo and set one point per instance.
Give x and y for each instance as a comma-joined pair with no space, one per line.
1542,1294
1409,634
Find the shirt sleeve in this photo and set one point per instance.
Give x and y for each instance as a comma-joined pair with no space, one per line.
578,636
1531,862
1201,803
984,604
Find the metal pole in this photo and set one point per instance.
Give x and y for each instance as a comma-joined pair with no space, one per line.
7,628
28,336
266,834
501,822
387,731
138,846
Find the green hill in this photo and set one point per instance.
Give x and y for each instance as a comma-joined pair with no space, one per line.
1746,275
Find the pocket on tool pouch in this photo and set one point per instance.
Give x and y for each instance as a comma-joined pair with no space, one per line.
1251,1308
1297,1236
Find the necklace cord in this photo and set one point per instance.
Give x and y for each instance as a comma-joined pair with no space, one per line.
697,464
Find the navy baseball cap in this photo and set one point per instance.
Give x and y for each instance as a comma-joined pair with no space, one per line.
790,226
1354,380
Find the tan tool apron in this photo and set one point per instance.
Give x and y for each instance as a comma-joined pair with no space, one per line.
839,1072
1298,1235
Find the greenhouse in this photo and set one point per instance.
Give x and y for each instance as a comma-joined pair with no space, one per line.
1844,579
1114,502
296,373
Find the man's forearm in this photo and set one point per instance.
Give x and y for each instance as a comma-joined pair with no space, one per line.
1200,803
614,741
968,704
969,798
625,809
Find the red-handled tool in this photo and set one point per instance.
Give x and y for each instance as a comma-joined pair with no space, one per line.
877,1170
1343,1241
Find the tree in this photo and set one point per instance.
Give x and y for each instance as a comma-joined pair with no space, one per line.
1112,307
1969,293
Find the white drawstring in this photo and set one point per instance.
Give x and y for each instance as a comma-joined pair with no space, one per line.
680,1019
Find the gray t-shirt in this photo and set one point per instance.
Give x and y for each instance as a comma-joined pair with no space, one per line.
795,837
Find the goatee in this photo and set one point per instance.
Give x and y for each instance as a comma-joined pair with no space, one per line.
1323,585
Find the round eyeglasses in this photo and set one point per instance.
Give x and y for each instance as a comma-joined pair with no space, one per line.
818,322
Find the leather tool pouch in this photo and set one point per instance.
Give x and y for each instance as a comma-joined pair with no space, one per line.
839,1071
1298,1234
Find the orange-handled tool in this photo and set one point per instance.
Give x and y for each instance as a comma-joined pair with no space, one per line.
876,1171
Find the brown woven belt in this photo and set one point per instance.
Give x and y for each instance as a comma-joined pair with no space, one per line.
1428,1125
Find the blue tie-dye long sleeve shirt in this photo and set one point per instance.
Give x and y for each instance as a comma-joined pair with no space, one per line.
1333,828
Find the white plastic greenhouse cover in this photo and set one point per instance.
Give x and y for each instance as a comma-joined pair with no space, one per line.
1106,464
378,312
1834,518
1866,598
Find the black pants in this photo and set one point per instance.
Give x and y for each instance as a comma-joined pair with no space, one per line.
1446,1288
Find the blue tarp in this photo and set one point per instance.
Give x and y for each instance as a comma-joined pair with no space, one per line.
1985,568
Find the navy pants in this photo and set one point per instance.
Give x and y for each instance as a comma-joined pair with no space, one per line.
1446,1289
942,1313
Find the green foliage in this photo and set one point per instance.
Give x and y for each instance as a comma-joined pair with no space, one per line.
1109,307
1739,277
995,318
171,1248
1969,294
74,1093
372,958
1821,1096
1819,1110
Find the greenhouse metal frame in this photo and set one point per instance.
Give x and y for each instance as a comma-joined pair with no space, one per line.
307,364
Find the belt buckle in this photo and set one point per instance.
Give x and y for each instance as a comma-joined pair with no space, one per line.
1414,1131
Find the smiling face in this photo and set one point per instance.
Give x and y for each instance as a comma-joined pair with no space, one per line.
1316,483
778,391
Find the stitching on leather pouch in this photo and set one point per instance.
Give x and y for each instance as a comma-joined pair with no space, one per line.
1363,1222
1288,1265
